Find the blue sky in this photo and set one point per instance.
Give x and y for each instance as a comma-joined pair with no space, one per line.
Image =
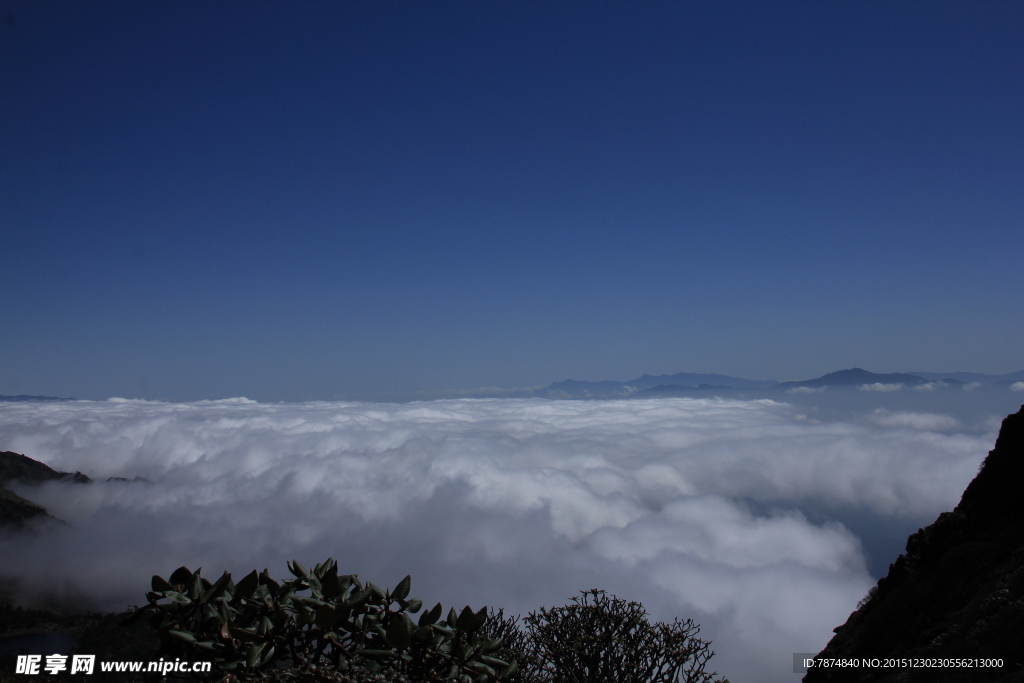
323,200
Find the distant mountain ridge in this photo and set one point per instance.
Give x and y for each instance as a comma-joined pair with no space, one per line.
968,377
854,377
571,388
24,397
689,383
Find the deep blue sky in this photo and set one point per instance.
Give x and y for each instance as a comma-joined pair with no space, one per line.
318,200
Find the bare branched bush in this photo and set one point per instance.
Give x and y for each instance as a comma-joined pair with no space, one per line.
599,638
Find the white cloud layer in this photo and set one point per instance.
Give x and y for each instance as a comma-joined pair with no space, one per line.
690,506
912,420
1017,386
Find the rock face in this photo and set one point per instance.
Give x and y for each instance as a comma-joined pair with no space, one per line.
17,466
16,512
958,591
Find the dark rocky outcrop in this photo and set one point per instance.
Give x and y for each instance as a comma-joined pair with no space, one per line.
15,466
958,591
17,512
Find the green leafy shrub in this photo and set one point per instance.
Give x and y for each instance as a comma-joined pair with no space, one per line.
320,626
319,621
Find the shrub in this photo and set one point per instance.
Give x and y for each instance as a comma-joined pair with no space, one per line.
600,638
320,627
319,622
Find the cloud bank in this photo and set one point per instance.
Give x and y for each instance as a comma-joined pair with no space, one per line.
691,506
878,386
914,420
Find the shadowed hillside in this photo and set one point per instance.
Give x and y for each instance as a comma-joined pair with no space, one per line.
16,512
958,591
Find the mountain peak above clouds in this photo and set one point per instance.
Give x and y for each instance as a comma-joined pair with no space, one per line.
969,377
571,388
854,377
693,383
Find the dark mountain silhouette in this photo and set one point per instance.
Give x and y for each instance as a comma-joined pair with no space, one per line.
702,391
853,377
958,591
571,388
15,511
966,377
669,388
693,383
15,466
693,379
696,384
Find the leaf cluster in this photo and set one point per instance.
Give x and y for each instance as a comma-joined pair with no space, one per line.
318,620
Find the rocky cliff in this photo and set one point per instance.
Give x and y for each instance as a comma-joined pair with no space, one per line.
17,512
958,591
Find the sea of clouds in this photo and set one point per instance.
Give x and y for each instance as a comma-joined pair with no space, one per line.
695,507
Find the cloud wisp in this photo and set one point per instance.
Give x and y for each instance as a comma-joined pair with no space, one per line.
879,386
914,420
691,506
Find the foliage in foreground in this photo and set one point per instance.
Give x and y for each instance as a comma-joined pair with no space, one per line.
600,638
319,621
319,627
